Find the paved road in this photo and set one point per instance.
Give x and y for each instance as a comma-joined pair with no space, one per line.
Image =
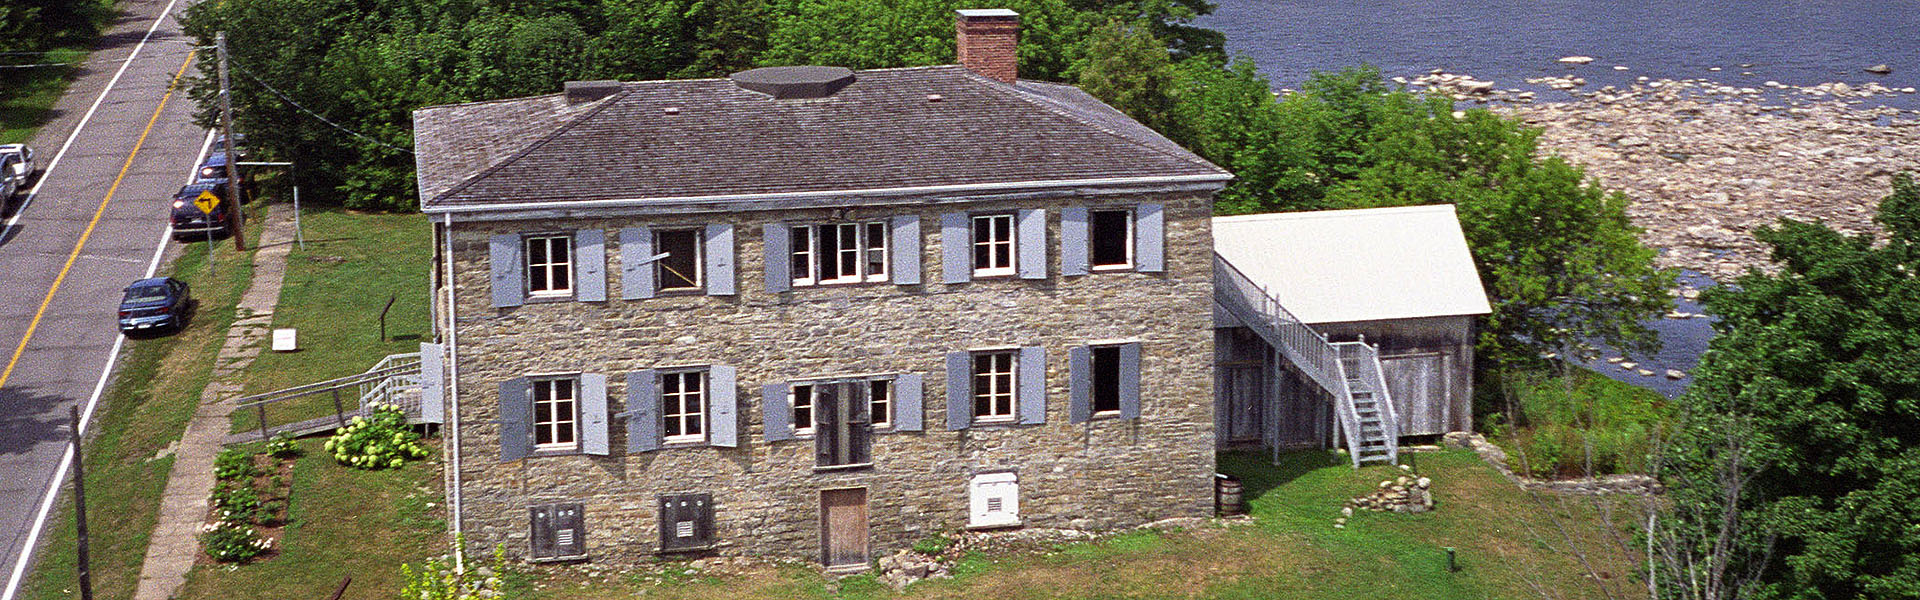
94,223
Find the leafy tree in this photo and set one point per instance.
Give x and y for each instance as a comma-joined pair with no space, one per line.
1130,70
860,34
1823,359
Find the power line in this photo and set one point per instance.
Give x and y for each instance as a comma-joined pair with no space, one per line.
243,71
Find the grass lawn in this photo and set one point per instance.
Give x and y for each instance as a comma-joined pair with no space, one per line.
342,522
333,294
1574,422
29,93
145,410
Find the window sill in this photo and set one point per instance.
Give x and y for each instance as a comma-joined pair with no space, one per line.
994,274
539,452
695,291
1111,268
1016,523
549,299
555,559
685,549
678,444
838,284
839,468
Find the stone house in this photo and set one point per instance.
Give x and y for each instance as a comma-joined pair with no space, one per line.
815,313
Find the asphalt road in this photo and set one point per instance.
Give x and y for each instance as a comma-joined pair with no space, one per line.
95,222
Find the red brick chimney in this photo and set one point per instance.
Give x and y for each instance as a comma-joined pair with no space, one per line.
988,40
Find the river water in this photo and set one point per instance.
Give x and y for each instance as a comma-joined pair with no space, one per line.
1743,43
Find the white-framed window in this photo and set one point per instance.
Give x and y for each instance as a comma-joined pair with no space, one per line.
993,500
837,253
556,414
802,398
994,385
1111,238
549,265
1105,363
992,245
681,268
683,402
880,402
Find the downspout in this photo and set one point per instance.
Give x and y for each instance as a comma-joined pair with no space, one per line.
454,495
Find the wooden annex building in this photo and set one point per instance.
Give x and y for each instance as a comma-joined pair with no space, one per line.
1333,328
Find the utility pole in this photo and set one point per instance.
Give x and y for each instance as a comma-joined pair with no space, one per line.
234,218
80,505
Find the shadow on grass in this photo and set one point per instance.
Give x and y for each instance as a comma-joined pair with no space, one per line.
1258,474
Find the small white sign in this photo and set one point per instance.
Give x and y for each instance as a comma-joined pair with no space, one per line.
283,340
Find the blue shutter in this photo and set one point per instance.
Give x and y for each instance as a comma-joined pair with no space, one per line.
1032,384
1079,384
1030,245
516,420
593,414
636,263
906,250
956,248
723,407
1150,238
590,265
959,390
907,412
778,241
433,383
720,260
643,411
1073,241
1130,381
775,412
503,258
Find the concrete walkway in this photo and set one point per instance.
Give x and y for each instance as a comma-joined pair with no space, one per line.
183,508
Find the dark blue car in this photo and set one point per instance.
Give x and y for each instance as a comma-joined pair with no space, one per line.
158,304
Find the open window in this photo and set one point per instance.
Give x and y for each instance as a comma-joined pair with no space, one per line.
1110,238
681,268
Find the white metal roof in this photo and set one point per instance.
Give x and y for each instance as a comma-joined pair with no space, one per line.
1369,264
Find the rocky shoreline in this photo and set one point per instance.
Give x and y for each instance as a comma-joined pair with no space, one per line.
1704,163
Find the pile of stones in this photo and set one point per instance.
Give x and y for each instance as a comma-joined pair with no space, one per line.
907,566
1408,493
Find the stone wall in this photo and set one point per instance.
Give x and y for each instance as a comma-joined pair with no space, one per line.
1103,474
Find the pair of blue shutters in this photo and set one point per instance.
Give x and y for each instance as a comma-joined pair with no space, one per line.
1149,240
507,267
1031,384
903,260
642,416
1030,243
777,412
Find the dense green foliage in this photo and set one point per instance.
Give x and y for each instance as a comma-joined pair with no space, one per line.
1819,367
365,66
379,440
28,25
1574,424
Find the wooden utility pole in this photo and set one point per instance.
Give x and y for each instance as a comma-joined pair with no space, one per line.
234,195
80,505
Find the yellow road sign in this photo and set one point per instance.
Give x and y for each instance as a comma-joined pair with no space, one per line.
206,202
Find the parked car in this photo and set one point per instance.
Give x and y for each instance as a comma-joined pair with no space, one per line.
189,223
157,304
8,185
212,169
19,166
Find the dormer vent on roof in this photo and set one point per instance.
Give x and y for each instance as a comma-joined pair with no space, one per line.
785,83
580,92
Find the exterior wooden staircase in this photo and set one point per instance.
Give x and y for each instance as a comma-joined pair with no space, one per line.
1349,371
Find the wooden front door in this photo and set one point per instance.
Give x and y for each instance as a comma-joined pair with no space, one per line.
843,527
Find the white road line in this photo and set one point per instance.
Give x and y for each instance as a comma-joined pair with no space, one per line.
99,387
5,231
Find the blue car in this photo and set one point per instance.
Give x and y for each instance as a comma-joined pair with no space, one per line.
158,304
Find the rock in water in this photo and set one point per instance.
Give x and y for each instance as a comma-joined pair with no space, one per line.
1675,374
1576,60
1878,69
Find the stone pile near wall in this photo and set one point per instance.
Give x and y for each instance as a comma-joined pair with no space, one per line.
1406,493
1639,485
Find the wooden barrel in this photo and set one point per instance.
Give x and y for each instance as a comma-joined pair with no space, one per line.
1226,495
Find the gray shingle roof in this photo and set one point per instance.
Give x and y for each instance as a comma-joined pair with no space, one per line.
882,131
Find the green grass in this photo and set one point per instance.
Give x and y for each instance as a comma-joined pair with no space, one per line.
29,94
342,522
332,295
1563,416
145,409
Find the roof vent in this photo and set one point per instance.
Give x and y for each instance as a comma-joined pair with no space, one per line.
579,92
795,82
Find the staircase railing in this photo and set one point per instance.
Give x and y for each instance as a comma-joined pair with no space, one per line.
392,375
1307,349
1366,368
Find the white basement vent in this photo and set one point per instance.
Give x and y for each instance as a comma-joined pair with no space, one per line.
993,500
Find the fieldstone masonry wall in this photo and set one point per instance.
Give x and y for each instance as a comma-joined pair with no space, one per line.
1103,474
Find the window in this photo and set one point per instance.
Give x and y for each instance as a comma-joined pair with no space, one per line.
558,531
549,265
682,406
1106,379
993,500
1112,243
838,253
680,270
686,522
555,415
803,410
992,245
993,386
842,427
880,402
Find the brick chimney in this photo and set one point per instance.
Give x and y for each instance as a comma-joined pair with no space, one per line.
988,41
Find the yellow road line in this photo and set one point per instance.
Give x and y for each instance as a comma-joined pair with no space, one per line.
62,277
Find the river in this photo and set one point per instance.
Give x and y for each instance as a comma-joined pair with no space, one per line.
1747,43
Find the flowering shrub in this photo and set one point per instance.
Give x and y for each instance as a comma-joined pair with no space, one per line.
436,579
378,441
283,446
237,504
232,464
227,542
